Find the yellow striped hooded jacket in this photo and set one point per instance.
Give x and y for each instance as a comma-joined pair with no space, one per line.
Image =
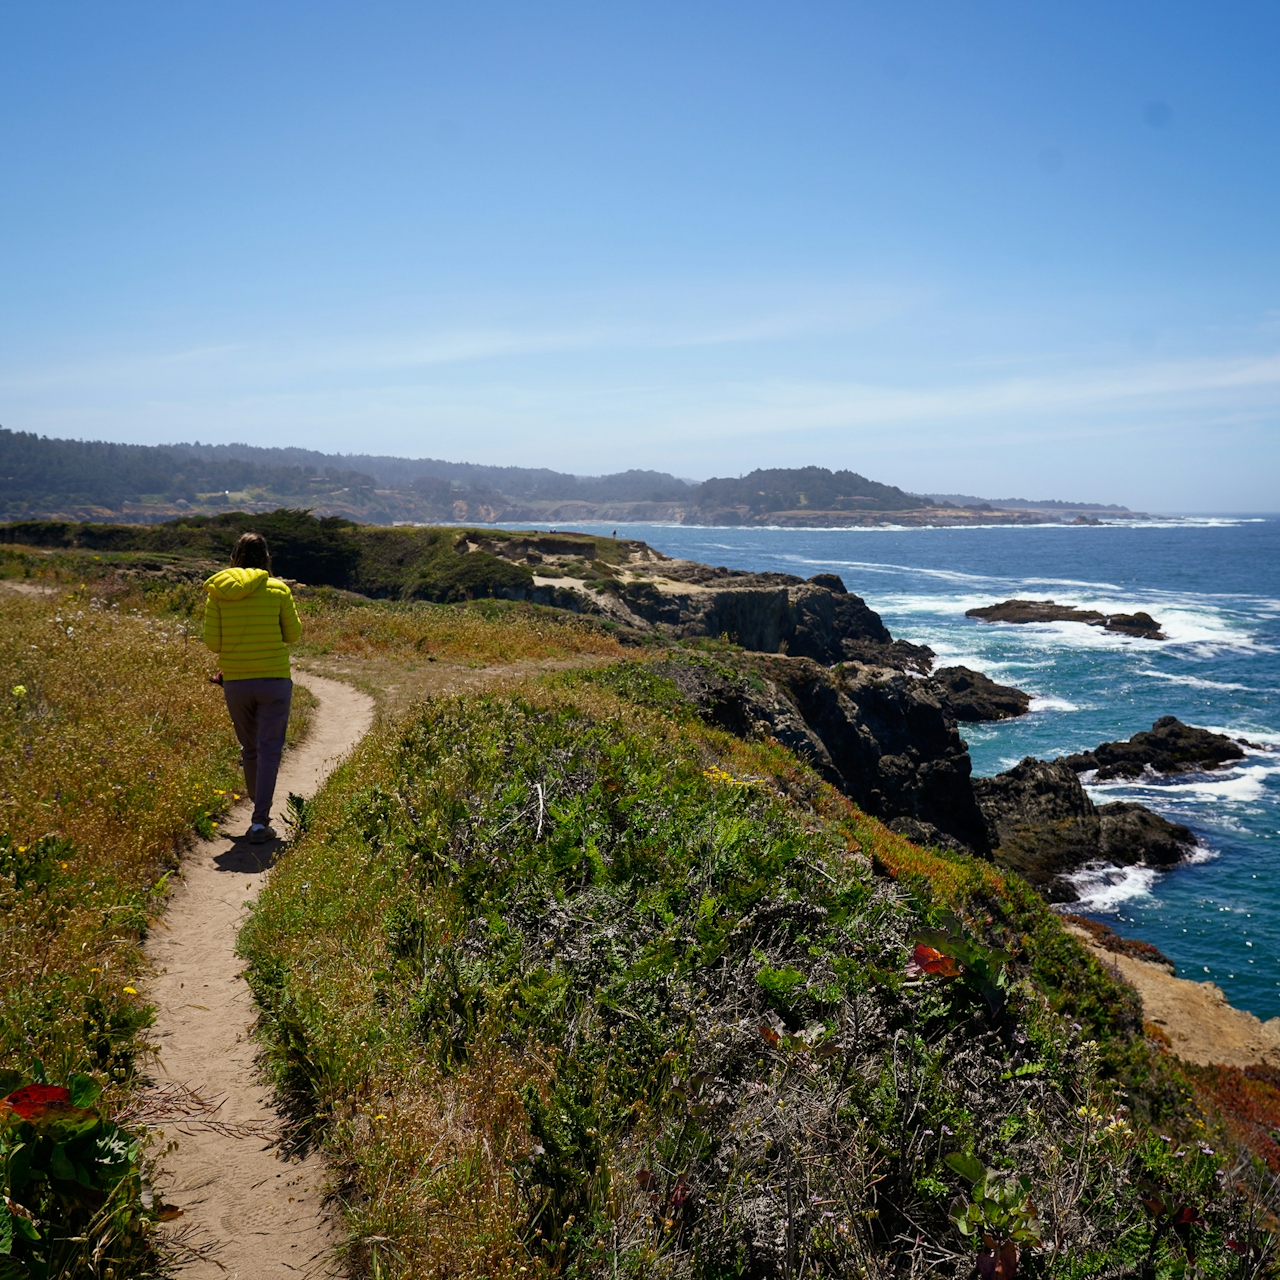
250,622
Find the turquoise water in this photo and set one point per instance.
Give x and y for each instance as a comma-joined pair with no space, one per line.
1213,583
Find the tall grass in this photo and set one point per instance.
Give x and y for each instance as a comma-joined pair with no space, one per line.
484,632
113,748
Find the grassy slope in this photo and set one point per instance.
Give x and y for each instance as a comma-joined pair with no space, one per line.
569,984
113,749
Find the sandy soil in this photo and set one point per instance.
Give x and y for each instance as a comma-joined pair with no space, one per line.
264,1211
1202,1027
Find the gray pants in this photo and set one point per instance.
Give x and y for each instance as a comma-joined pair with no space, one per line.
260,713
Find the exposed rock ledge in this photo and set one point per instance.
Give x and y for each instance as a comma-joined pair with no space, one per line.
1138,624
1201,1025
969,695
1169,746
1044,826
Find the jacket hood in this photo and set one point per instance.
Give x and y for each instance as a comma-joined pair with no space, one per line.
235,584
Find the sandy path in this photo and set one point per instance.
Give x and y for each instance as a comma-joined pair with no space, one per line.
264,1212
1201,1025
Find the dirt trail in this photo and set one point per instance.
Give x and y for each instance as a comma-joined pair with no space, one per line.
265,1212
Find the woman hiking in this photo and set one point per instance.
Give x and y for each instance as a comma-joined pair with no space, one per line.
250,622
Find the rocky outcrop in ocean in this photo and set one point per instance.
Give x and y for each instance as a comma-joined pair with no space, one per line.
1043,825
1169,746
1020,611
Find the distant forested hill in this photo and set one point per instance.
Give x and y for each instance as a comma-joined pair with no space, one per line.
85,479
534,483
88,480
806,488
38,474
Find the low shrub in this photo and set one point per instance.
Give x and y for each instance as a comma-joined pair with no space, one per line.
570,985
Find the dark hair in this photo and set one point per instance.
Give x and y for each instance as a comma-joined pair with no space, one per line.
251,552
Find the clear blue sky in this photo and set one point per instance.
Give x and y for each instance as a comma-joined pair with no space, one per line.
1002,248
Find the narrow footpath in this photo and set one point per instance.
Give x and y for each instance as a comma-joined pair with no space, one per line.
264,1212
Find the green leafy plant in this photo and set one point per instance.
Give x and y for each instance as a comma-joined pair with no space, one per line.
947,953
998,1214
70,1179
296,816
1174,1220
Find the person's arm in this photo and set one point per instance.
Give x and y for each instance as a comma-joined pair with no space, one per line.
213,624
290,627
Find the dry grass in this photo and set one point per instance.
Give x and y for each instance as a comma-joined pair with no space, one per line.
483,633
403,653
113,748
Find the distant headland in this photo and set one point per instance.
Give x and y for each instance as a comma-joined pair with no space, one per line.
42,478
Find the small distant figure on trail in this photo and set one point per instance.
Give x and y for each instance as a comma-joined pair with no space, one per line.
615,533
249,622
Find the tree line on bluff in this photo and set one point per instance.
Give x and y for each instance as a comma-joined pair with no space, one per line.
40,474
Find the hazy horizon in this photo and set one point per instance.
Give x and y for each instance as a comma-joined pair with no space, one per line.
996,250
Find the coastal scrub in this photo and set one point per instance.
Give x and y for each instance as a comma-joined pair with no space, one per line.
569,984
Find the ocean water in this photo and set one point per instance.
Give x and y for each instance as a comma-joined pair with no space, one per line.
1214,584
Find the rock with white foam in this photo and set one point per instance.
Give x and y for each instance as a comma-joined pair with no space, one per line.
1169,746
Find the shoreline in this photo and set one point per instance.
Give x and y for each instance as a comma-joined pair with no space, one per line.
1196,1018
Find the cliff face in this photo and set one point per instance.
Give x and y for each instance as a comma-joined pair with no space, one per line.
1043,825
769,613
878,734
888,741
766,612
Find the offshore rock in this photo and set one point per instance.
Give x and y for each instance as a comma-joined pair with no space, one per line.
969,695
1169,746
1138,624
1043,825
1130,833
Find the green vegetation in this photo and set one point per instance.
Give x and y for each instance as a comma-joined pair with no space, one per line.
798,488
72,1192
442,565
39,474
569,984
114,751
113,748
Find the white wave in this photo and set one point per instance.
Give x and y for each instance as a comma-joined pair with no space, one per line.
1200,854
1267,739
1195,682
1102,887
1240,785
1047,702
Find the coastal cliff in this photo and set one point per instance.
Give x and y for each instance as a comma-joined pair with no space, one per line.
867,708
